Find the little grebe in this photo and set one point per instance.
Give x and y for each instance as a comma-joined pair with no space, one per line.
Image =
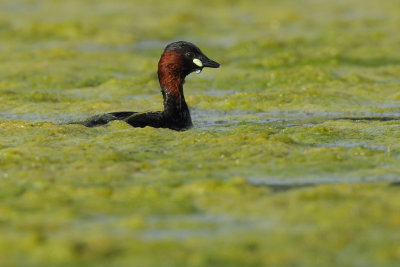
178,60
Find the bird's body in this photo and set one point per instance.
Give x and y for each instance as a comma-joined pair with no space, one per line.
178,60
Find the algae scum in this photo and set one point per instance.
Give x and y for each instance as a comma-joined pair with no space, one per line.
272,174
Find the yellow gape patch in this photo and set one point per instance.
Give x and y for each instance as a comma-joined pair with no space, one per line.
198,62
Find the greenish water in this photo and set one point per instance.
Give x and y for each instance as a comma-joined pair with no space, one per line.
272,174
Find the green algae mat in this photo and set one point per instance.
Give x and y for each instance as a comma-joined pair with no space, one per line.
294,158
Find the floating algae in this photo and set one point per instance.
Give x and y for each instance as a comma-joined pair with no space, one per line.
281,167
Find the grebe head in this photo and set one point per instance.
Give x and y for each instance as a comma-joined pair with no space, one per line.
179,60
192,59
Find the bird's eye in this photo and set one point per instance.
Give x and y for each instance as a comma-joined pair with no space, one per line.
189,55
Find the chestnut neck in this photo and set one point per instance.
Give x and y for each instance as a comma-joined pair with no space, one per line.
171,76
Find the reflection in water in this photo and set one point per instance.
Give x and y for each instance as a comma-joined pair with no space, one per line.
278,185
211,118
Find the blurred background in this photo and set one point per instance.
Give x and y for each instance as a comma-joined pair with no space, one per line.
56,51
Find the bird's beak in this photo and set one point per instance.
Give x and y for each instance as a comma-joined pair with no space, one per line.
208,62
